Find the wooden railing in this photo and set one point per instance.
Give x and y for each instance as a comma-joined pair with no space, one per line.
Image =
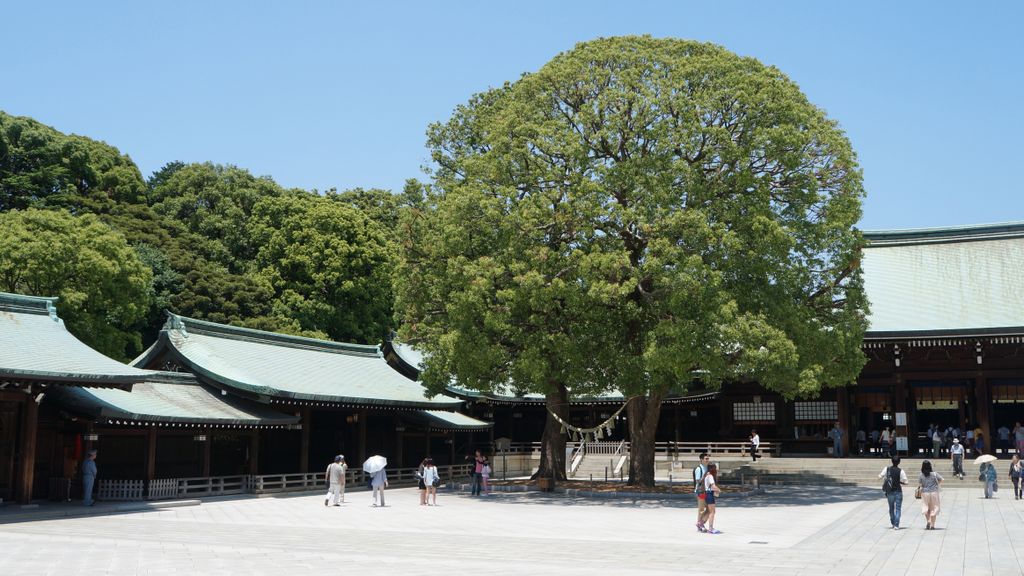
119,490
675,449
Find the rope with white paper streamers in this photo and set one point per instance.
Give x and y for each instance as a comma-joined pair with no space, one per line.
595,433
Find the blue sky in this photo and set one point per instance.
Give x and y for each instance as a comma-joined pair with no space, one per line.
339,94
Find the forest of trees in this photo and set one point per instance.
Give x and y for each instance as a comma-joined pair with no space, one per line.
208,241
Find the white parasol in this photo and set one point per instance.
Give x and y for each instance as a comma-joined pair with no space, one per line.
374,464
985,458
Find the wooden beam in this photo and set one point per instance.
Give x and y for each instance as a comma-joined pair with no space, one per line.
151,453
27,449
307,423
982,401
254,452
207,450
362,436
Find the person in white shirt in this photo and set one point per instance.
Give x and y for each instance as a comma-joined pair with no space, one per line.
895,478
431,479
336,481
885,441
956,454
698,489
755,441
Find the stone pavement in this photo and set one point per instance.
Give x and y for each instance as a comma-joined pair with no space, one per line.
787,530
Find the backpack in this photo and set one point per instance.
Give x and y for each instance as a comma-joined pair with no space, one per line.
699,482
890,482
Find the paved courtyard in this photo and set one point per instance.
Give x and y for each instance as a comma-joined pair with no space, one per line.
784,531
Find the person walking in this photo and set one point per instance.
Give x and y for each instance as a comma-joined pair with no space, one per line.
478,474
979,442
485,476
886,437
929,481
987,474
936,441
895,479
755,443
88,477
956,454
698,489
378,482
335,477
711,492
862,440
836,433
431,479
1015,473
421,484
1004,438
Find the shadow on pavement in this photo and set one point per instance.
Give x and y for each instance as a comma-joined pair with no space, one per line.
775,496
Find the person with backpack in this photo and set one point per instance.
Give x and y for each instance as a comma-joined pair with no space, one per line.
1015,473
699,491
894,480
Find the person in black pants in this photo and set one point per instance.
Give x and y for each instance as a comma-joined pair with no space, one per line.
1016,468
755,441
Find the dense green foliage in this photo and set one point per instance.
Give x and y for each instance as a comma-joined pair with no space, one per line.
215,243
637,213
103,285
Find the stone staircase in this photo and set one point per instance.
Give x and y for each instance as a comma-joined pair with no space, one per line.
843,472
595,466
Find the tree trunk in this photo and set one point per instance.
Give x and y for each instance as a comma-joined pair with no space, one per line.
643,412
552,446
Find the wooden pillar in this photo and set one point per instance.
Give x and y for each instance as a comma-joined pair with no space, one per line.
427,432
307,422
254,452
399,443
362,437
151,453
27,449
452,449
843,407
207,450
981,398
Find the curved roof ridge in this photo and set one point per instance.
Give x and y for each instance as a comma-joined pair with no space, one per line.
963,233
45,305
186,324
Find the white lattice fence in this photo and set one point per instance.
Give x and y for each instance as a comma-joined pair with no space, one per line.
162,488
121,489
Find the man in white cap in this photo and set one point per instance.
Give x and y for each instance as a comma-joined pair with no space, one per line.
336,481
956,454
88,477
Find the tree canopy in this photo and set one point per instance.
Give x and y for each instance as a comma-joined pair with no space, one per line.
104,288
637,214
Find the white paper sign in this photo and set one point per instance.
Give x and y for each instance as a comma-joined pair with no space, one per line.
901,444
901,418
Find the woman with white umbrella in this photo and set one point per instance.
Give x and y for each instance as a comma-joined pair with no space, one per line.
987,473
374,466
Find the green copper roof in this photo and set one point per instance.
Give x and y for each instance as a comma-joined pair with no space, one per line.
167,398
963,280
35,345
443,420
277,367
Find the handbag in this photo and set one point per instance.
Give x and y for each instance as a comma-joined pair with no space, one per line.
917,493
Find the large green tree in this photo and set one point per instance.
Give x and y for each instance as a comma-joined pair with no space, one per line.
103,286
637,213
329,265
42,168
